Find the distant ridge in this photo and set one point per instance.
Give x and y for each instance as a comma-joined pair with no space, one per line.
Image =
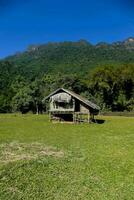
71,57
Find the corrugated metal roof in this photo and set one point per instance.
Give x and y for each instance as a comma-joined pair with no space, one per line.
77,96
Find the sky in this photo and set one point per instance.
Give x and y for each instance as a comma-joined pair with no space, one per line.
28,22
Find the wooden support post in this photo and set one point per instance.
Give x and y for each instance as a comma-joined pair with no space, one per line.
74,118
80,118
50,116
91,117
88,117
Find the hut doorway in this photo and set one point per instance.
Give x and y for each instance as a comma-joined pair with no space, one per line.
77,106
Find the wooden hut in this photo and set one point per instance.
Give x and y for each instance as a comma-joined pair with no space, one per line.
65,105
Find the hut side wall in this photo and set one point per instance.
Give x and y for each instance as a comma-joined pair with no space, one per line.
83,109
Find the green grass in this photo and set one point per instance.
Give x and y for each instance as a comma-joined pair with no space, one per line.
40,160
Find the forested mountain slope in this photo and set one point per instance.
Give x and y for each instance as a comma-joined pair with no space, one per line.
104,73
71,57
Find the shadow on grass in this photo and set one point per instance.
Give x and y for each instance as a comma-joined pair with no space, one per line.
99,121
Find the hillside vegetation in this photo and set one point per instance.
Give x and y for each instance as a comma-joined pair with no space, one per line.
71,57
104,73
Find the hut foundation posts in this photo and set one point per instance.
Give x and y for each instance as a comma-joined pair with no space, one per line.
88,117
91,117
81,117
78,117
74,119
50,117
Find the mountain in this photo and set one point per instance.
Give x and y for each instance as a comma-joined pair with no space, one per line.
26,78
70,57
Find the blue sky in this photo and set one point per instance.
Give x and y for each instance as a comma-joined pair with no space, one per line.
27,22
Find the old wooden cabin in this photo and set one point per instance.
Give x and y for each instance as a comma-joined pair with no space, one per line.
65,105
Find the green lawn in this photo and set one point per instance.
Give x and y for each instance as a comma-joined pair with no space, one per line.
40,160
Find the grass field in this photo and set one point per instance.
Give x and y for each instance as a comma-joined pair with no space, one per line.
40,160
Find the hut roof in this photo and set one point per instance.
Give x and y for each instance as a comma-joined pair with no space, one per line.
77,96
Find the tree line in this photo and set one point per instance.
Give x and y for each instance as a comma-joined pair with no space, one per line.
110,87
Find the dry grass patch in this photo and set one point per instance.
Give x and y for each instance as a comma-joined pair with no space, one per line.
11,152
